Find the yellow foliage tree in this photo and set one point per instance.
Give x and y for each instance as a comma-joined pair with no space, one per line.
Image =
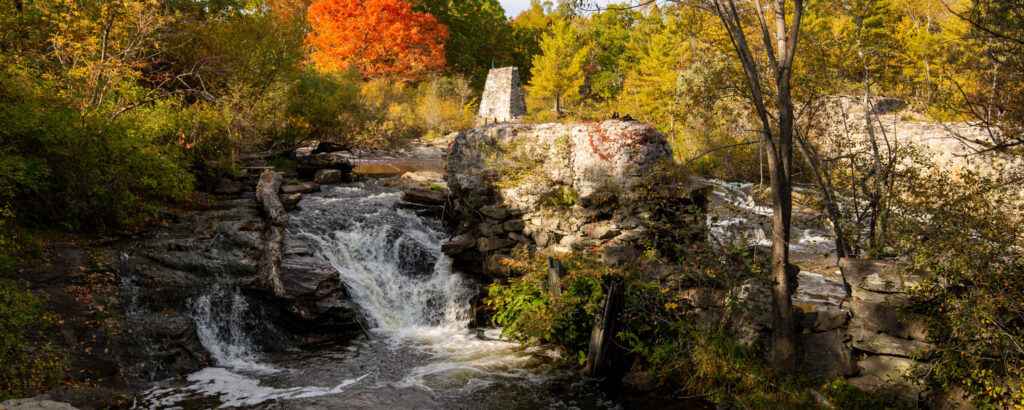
558,70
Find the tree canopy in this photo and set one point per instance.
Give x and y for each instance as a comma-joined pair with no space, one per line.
377,37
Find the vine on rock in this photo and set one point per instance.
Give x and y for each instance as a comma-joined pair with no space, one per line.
617,142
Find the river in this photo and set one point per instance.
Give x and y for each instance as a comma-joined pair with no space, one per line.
418,351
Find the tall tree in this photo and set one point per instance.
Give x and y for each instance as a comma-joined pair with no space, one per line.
558,71
774,109
378,37
478,35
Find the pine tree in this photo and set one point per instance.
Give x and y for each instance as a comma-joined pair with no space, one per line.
558,70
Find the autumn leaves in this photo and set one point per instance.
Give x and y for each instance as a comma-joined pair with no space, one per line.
380,38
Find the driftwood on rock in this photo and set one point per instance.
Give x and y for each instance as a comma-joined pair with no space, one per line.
603,335
273,234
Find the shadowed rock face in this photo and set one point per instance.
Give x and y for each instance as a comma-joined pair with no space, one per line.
195,276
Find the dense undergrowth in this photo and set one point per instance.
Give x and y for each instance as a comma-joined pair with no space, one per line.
692,355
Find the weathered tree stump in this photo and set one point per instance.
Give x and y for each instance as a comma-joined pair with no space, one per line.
556,271
273,234
603,335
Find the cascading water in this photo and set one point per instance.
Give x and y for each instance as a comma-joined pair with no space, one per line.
420,353
390,260
219,317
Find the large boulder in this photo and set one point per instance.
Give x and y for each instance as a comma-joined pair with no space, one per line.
530,161
826,354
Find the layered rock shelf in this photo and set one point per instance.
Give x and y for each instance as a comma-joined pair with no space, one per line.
552,188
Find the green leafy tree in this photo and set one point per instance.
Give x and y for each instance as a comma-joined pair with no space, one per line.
478,34
559,71
610,32
527,31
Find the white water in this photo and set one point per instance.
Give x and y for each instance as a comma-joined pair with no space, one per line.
417,309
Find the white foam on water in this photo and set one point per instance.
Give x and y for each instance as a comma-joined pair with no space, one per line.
237,390
392,267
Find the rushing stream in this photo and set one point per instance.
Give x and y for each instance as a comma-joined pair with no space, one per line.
420,352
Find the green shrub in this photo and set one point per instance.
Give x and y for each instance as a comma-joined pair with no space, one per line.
83,170
528,313
324,107
845,396
25,367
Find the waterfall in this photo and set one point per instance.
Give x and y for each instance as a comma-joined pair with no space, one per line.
219,317
420,353
390,259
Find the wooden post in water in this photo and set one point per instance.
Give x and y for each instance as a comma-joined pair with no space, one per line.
556,271
603,334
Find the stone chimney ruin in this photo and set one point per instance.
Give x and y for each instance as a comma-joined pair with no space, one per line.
503,99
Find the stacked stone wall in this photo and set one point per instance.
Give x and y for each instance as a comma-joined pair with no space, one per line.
503,98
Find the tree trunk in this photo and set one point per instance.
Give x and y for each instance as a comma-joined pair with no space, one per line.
783,353
558,107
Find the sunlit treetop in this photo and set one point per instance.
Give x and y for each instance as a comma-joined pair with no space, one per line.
380,38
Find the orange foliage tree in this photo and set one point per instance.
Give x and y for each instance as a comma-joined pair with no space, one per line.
378,37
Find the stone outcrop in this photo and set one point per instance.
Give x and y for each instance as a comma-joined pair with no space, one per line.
503,98
554,188
888,337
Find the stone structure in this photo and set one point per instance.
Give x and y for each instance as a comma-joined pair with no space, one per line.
503,97
554,188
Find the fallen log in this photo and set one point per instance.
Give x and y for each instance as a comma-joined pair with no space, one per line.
266,193
273,233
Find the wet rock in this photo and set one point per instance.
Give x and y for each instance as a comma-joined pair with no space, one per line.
493,244
290,202
228,187
432,211
458,244
425,196
328,176
300,187
304,276
496,266
35,403
333,160
87,398
328,147
424,179
826,354
643,382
